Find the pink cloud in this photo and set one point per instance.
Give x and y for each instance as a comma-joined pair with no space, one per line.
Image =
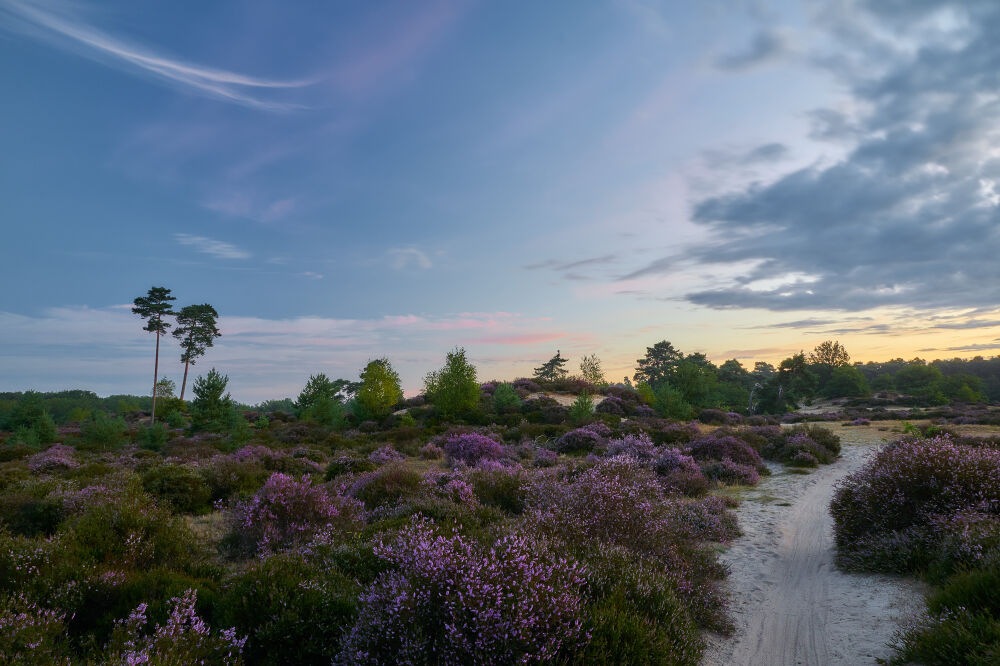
521,339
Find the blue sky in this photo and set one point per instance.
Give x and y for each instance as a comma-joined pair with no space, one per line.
349,180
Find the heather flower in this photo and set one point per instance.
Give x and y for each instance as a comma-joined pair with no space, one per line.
184,639
384,455
449,601
431,451
725,448
56,457
287,512
583,440
731,473
470,448
30,634
639,446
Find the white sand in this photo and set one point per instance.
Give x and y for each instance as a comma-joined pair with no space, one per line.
789,602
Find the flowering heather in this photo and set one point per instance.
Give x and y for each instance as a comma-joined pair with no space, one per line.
525,384
184,639
287,512
449,601
725,448
911,486
31,635
56,457
431,452
470,448
611,405
680,472
583,440
731,473
639,446
545,458
644,412
384,455
488,387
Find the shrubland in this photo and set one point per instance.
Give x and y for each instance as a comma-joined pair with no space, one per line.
504,530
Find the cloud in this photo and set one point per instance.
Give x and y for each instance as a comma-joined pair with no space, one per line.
767,46
521,339
210,246
409,257
71,32
904,219
971,323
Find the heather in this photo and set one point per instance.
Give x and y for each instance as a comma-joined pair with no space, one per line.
930,506
395,534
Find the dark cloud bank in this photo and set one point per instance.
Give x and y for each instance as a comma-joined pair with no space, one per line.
910,216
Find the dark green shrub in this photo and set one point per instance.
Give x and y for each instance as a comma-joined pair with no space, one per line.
293,611
390,484
502,487
154,437
582,409
505,399
28,512
103,433
348,464
182,487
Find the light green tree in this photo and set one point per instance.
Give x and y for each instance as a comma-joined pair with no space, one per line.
453,389
379,391
590,370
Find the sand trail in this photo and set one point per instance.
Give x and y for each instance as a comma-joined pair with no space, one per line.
790,603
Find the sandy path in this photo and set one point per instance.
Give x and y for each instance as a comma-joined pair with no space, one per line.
790,604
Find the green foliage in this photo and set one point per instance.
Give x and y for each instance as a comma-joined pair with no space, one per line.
846,381
314,400
453,389
154,437
658,365
505,399
180,486
212,406
697,383
196,330
166,388
379,391
670,403
590,370
582,409
176,419
154,307
831,353
552,369
104,433
797,379
31,421
293,610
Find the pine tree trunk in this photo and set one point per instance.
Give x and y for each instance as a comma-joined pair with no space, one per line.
156,370
185,380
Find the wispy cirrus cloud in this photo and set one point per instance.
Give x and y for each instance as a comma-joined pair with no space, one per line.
49,22
210,246
409,257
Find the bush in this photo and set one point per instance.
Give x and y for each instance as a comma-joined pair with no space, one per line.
446,597
291,608
212,407
104,433
611,405
725,448
386,485
505,399
895,502
731,473
180,486
470,448
184,639
583,440
582,409
154,437
31,635
504,487
287,512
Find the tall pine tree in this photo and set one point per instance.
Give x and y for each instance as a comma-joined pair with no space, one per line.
196,330
154,307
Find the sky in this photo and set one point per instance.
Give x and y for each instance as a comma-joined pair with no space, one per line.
347,181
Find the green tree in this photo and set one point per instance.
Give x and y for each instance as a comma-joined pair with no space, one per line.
846,381
153,307
697,382
796,378
196,331
670,403
379,390
830,352
590,370
658,365
321,400
733,372
582,409
552,369
453,389
921,381
505,399
165,388
212,407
